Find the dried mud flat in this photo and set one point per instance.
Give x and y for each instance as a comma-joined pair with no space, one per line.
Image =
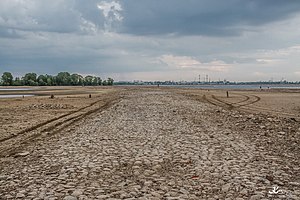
20,114
158,144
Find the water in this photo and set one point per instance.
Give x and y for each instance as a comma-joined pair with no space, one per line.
15,95
15,89
247,86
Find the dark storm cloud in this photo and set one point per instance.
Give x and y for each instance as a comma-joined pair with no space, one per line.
9,33
48,16
205,17
150,38
144,17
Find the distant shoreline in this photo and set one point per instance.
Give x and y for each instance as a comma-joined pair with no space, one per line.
227,86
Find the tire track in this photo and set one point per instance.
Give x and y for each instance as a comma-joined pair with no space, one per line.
259,109
10,145
242,101
247,101
230,106
47,122
246,106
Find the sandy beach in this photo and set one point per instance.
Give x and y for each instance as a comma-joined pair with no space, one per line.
150,143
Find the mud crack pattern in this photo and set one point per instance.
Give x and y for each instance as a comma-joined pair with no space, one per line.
151,145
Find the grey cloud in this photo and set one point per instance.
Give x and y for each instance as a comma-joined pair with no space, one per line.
53,52
205,17
70,35
9,33
146,17
48,16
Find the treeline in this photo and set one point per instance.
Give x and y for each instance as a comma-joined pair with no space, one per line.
61,79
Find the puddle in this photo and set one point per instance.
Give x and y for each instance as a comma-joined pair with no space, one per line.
15,96
15,89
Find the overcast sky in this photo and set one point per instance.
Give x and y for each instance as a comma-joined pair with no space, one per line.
237,40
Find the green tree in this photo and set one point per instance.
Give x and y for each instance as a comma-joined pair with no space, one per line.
32,83
99,80
104,83
18,82
42,80
81,80
95,81
110,81
88,80
51,80
7,79
30,79
63,78
76,79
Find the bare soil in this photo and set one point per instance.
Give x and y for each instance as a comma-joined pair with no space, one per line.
151,143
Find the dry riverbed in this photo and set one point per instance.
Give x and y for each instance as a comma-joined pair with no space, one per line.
148,143
19,114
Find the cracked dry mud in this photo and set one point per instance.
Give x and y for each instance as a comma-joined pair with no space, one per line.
153,144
